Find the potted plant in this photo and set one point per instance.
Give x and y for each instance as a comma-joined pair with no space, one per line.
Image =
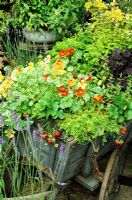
50,94
55,93
47,21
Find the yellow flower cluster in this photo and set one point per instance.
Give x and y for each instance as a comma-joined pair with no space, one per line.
10,133
111,11
96,4
5,86
100,5
88,5
1,77
115,14
113,3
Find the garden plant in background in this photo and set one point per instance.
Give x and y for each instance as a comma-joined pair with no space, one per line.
81,88
58,16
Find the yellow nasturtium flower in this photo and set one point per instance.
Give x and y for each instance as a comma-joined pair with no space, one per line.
61,72
4,94
71,82
7,83
82,84
30,66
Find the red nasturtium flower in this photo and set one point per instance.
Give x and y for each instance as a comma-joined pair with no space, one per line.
98,99
45,76
79,92
119,143
75,75
71,51
89,78
64,93
61,89
66,52
62,53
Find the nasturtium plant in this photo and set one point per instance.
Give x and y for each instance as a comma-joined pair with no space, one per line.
120,108
49,89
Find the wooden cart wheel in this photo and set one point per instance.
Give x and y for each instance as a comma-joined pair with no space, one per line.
110,185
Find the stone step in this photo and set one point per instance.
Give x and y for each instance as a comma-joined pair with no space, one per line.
91,183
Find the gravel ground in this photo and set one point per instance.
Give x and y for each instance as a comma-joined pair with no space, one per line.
75,191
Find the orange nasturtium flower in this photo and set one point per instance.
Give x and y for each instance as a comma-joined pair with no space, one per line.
62,53
58,65
71,82
79,92
69,52
19,69
54,75
98,99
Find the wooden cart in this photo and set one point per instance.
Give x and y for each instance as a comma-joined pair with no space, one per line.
78,161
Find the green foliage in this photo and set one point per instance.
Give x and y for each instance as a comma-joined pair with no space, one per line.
4,20
87,125
56,15
125,5
5,14
121,108
93,47
5,2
